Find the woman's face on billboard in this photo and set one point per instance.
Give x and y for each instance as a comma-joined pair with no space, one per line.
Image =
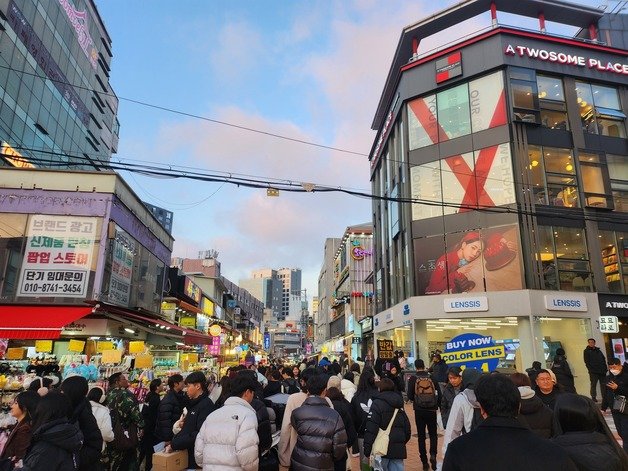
472,250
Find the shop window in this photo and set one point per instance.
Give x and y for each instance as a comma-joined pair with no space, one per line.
618,172
454,118
426,191
592,172
553,176
614,261
564,258
488,105
525,99
459,192
422,122
600,110
552,103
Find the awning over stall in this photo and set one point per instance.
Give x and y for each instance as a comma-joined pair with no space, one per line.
26,321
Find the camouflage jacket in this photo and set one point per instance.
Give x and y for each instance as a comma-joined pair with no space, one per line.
123,403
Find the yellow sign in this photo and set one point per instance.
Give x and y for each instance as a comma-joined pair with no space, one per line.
187,322
483,353
136,346
215,330
14,157
104,345
190,357
144,361
43,346
208,306
16,353
111,356
76,346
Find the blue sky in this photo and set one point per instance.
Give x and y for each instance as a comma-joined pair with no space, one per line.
310,70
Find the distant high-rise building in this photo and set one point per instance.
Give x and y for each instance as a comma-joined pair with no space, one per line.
325,291
291,280
275,288
162,215
56,103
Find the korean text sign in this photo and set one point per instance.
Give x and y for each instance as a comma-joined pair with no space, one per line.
58,256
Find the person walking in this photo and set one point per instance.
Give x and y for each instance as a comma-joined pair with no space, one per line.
360,408
533,413
562,371
343,407
449,392
546,388
582,432
425,395
75,388
501,441
198,407
465,410
150,412
56,442
170,409
125,414
96,397
596,366
387,410
617,385
228,438
23,410
438,369
321,435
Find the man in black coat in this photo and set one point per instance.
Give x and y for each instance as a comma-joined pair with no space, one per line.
198,408
170,408
321,435
596,366
617,385
501,441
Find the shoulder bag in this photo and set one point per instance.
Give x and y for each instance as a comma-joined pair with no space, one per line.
619,404
380,445
124,438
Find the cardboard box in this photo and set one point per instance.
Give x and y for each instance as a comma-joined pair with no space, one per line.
175,461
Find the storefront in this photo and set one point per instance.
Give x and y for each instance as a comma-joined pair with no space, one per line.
510,329
615,343
366,344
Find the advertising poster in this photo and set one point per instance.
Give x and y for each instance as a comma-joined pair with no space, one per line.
473,261
58,256
123,251
473,351
618,349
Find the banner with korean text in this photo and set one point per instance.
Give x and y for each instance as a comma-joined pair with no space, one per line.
58,256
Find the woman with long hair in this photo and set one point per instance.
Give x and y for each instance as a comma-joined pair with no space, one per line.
360,407
23,409
56,442
580,429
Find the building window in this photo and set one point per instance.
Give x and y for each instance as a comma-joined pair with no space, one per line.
488,102
552,102
553,176
565,259
525,99
454,118
422,122
614,254
618,172
600,110
592,174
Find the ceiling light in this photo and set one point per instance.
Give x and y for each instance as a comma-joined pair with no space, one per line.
130,331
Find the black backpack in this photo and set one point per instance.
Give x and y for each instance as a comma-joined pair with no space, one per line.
425,393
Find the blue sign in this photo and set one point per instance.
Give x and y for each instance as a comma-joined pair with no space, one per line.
473,351
231,303
267,341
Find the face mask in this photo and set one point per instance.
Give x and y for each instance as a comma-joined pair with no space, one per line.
614,372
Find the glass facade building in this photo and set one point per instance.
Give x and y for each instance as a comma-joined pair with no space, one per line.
56,103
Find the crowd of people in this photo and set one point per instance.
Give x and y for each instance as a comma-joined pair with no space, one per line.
317,415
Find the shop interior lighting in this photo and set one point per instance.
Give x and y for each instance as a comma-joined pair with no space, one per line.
94,338
179,343
551,318
130,331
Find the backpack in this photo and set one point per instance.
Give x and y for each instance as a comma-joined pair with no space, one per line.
425,393
477,418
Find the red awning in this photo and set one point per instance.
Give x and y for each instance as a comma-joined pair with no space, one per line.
190,337
37,321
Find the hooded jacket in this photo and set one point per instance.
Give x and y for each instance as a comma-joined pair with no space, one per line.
534,414
382,410
103,419
55,447
563,374
360,408
228,439
321,436
595,361
168,412
89,456
462,410
198,410
590,451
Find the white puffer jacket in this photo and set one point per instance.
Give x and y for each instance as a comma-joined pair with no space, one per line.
348,389
103,419
228,439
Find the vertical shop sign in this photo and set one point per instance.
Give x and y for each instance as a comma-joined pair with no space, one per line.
121,269
473,351
267,341
58,256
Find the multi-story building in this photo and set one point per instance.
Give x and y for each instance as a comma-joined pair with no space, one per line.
291,280
164,216
56,103
500,177
265,286
325,293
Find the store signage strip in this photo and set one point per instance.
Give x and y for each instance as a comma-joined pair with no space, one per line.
565,303
467,304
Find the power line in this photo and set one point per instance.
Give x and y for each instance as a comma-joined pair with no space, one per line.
192,115
296,187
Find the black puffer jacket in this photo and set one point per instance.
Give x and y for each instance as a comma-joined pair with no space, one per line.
169,411
264,430
382,410
55,447
198,410
537,416
83,418
321,436
360,407
343,407
447,400
563,373
595,360
590,451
